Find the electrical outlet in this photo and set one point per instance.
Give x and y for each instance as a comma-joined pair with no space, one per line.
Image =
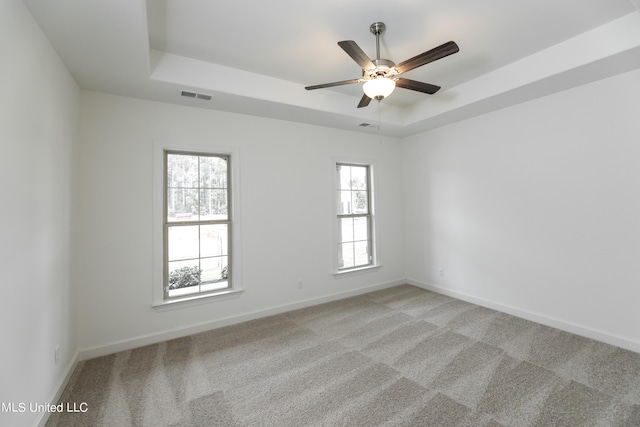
300,284
441,272
56,354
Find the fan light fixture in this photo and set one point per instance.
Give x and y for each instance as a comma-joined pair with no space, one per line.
379,88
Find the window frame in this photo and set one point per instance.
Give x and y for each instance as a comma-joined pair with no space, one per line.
160,298
200,222
374,262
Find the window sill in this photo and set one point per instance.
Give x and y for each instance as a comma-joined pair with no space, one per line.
194,300
355,271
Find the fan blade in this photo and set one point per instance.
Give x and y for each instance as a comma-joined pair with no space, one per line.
417,86
343,82
364,101
434,54
354,51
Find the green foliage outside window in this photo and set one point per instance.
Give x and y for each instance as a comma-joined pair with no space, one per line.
185,277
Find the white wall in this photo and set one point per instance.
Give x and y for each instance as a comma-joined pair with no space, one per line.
535,209
38,135
286,211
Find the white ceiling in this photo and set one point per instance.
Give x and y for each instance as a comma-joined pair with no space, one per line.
256,57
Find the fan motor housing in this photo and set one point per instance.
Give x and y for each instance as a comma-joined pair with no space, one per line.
384,68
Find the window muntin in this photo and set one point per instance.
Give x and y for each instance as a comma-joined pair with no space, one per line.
355,221
197,224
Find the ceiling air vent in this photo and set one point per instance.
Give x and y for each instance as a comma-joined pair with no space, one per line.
190,94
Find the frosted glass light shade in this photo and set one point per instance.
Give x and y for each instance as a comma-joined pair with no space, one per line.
379,88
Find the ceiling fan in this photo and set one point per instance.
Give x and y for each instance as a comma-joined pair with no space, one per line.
380,76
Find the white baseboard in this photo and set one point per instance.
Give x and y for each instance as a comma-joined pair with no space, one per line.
59,389
534,317
141,341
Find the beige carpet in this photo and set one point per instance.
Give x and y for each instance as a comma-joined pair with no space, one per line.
398,357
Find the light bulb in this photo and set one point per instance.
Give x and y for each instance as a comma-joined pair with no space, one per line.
379,88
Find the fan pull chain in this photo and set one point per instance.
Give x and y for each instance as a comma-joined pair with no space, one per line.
379,122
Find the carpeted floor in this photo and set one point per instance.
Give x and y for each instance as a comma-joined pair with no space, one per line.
398,357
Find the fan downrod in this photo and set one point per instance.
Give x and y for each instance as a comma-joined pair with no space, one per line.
376,29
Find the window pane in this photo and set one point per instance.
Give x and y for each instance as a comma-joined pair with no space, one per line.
213,204
182,242
214,270
361,229
358,178
182,205
182,171
213,240
345,230
359,202
214,286
344,204
361,253
185,275
347,255
345,177
213,172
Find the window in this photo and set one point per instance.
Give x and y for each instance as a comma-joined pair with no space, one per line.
197,224
354,216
